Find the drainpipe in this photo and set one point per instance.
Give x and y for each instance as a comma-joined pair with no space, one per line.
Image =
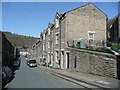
50,46
106,41
60,43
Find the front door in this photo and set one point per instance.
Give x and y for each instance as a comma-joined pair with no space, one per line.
67,60
62,59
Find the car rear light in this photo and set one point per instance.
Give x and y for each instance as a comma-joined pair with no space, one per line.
4,74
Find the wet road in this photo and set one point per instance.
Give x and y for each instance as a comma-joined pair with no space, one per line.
27,77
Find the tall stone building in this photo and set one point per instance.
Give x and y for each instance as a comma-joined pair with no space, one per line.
41,48
86,22
7,52
114,30
0,50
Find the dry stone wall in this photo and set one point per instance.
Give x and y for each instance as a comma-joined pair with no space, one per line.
92,62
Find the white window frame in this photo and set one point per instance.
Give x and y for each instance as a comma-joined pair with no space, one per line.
49,44
56,23
67,59
43,47
48,31
91,39
56,58
56,38
43,36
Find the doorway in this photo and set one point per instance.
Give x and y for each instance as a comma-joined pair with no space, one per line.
62,59
67,60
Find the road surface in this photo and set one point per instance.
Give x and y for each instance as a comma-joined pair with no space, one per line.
27,77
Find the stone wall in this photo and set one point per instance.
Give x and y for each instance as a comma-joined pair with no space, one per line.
93,62
7,51
0,49
119,25
63,34
84,20
115,30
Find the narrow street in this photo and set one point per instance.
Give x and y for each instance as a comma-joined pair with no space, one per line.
28,77
69,45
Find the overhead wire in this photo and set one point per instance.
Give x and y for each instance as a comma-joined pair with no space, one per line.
29,16
8,6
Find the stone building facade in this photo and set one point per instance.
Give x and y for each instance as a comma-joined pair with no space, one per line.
0,57
8,51
86,22
114,30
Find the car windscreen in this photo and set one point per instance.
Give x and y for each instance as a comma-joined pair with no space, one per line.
32,61
16,62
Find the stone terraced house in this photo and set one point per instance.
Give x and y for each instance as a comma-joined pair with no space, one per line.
114,30
86,22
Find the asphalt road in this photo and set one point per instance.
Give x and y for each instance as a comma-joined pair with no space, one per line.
27,77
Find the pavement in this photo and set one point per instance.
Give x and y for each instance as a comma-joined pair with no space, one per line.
87,80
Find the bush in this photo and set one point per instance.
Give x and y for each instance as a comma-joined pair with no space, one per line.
104,50
115,46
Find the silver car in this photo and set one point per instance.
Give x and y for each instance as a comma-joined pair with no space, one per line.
32,63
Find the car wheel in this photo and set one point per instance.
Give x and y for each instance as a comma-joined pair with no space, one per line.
7,80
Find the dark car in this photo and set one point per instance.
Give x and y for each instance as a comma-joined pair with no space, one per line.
27,62
32,63
6,74
16,63
19,60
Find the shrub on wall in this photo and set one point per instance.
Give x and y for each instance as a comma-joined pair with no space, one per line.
104,50
115,46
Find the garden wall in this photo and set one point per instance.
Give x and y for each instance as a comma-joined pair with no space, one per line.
93,62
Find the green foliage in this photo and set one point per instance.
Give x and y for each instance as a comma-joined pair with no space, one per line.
20,40
104,50
115,46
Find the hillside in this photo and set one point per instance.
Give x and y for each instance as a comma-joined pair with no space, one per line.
20,40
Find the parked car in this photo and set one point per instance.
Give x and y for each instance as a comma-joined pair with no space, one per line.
32,63
27,62
1,78
19,60
6,74
16,63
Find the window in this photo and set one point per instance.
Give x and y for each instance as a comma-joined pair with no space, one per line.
75,62
43,47
43,36
56,23
49,44
56,38
91,39
91,36
48,31
56,56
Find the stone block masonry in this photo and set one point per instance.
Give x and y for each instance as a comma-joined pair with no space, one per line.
7,50
93,62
